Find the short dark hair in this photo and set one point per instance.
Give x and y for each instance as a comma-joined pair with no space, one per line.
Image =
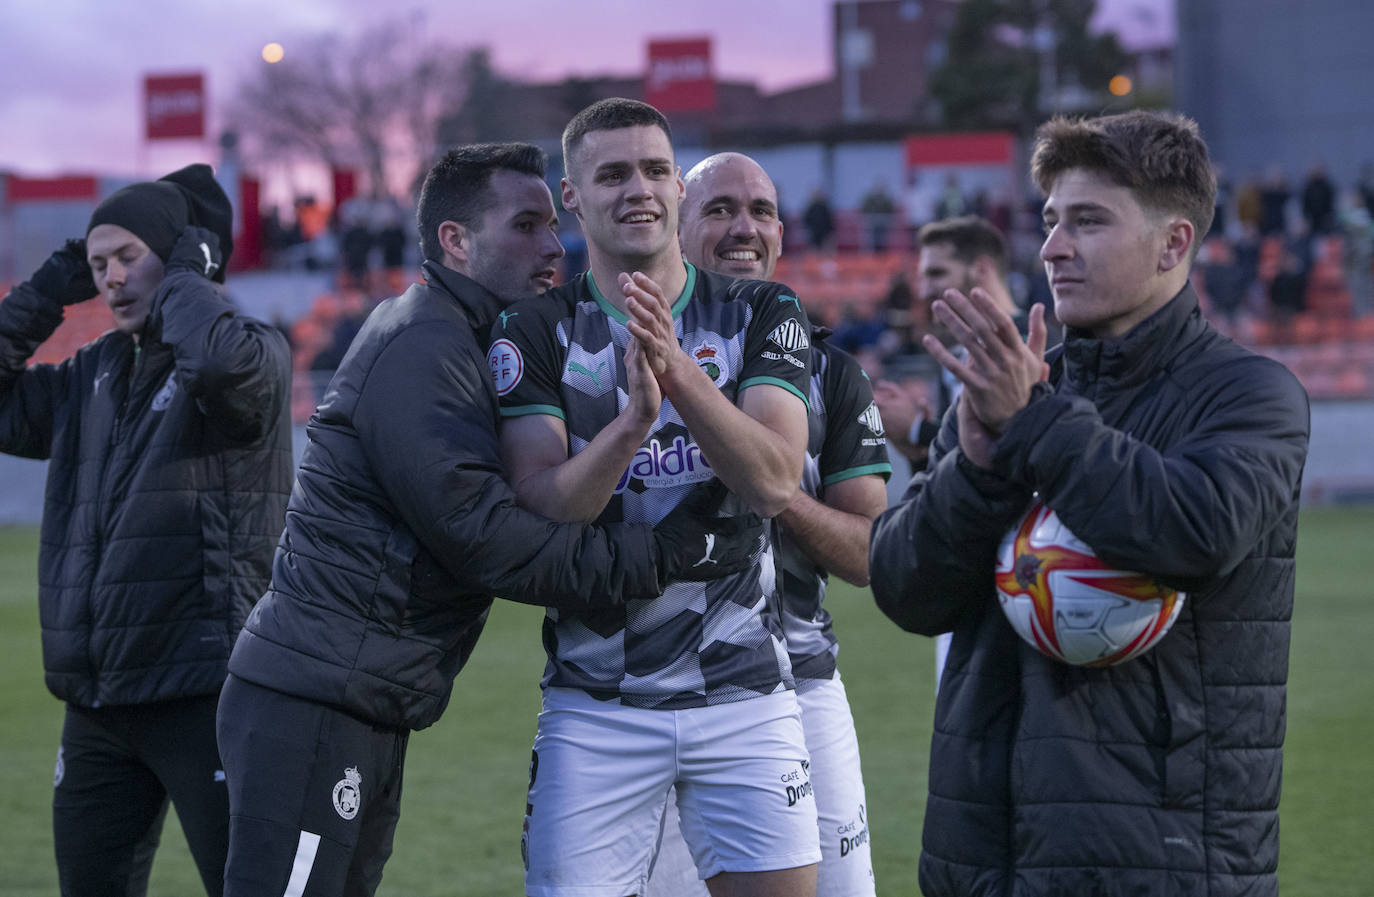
455,189
971,237
609,115
1159,156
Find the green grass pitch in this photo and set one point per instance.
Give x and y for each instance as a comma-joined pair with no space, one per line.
465,779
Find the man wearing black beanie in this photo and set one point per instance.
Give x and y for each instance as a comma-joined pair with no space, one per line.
169,449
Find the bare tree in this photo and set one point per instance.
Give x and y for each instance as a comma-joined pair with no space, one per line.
370,101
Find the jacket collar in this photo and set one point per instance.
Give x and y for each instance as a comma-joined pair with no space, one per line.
1147,347
478,303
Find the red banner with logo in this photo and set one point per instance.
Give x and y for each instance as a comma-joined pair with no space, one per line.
174,106
679,77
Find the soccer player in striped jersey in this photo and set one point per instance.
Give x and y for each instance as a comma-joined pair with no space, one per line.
730,224
692,689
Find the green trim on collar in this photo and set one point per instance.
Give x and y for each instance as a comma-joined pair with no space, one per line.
620,317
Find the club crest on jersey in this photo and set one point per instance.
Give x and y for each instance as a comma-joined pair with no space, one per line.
165,394
872,419
507,365
348,793
711,359
790,335
658,466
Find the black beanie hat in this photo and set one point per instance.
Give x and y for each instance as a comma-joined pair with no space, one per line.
158,211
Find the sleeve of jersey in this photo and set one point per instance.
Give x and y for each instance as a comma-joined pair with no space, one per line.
526,359
427,431
777,348
855,444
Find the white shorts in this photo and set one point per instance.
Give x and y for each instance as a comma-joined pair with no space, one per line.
846,860
846,868
600,775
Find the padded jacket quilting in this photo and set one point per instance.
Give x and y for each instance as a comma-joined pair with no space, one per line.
1173,451
401,527
169,469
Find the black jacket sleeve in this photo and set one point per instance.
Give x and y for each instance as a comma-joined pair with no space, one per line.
1187,514
933,555
28,395
426,419
237,368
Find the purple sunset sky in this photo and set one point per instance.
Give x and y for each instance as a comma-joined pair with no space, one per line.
70,99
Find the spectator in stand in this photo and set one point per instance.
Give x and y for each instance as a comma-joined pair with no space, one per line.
1274,195
355,241
920,199
1366,185
1318,201
390,232
1223,203
818,221
1226,280
1357,227
879,209
1248,204
951,203
856,333
901,330
1288,289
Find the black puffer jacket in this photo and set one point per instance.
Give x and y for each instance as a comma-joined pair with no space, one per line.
170,464
401,527
1172,451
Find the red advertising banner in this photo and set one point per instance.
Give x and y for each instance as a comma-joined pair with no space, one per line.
20,189
174,106
345,181
248,241
679,77
974,148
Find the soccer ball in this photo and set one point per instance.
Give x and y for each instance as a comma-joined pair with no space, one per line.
1072,607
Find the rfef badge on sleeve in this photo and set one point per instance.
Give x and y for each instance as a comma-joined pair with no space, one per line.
507,365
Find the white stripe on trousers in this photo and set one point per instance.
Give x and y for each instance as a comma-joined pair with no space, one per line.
305,860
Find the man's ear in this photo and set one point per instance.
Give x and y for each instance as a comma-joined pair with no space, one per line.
1179,235
568,196
453,240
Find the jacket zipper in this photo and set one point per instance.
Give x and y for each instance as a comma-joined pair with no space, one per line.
116,434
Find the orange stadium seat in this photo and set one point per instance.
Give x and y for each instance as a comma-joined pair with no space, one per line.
81,323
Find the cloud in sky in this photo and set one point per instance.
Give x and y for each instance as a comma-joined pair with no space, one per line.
70,97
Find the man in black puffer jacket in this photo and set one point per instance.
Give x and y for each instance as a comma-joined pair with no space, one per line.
399,532
169,452
1169,450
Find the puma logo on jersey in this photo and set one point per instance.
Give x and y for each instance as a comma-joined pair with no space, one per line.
710,547
581,369
507,315
210,263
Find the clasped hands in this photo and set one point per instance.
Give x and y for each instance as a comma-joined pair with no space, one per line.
998,370
653,356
